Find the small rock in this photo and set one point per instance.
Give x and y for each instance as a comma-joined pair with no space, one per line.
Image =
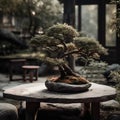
114,116
110,105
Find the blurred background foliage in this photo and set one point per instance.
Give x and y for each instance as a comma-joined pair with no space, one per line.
26,18
34,14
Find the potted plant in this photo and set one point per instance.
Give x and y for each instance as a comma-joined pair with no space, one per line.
58,44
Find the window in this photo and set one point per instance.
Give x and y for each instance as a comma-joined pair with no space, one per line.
89,20
110,34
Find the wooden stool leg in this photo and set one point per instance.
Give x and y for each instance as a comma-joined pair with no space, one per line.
31,73
36,74
11,72
24,74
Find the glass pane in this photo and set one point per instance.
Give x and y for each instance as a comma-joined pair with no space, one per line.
89,20
76,17
110,34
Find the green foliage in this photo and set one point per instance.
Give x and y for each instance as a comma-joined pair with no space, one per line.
115,76
9,6
61,40
49,13
115,1
89,49
116,18
89,45
46,13
53,44
63,32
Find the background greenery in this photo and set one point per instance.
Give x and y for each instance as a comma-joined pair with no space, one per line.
39,13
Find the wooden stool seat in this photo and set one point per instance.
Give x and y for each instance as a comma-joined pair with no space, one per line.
32,71
14,65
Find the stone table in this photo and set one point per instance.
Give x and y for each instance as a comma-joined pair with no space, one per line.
34,93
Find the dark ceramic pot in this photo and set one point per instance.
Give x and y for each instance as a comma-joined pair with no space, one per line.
66,88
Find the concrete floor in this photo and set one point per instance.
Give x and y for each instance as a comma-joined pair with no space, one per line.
6,83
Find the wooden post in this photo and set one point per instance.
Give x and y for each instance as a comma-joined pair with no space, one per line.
69,12
31,110
95,110
69,18
79,17
101,23
118,36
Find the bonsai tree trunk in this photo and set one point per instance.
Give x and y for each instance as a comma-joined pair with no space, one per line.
71,62
67,75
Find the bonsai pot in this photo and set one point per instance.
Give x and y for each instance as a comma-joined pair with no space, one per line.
65,87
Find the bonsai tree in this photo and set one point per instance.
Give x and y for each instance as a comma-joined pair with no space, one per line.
58,43
89,49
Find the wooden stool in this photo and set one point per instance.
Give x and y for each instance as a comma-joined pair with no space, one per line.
15,64
32,71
